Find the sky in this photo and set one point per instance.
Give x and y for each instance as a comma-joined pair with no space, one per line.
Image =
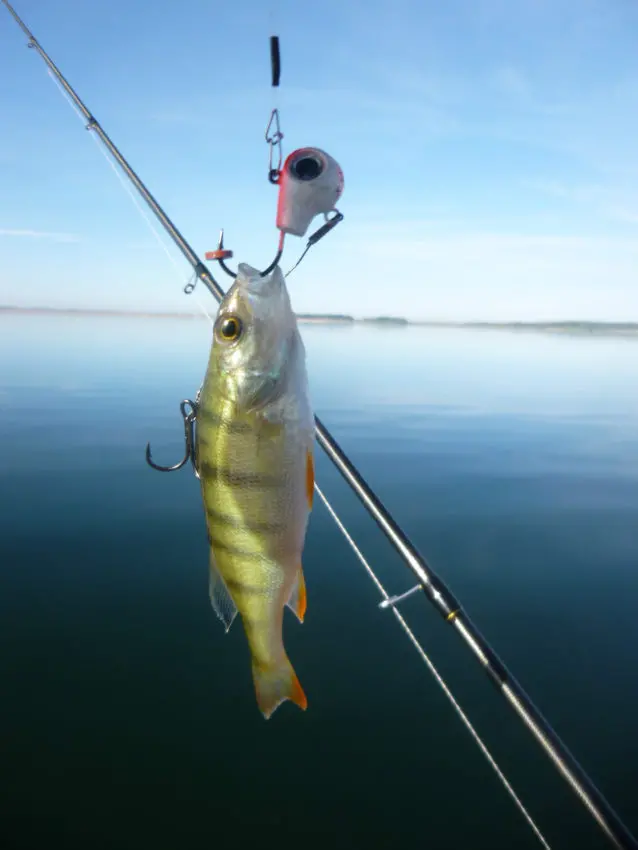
488,147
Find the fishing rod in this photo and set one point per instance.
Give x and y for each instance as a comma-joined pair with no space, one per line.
434,588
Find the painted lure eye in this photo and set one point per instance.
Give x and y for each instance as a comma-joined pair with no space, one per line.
230,329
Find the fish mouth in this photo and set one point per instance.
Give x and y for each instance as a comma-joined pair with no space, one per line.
256,284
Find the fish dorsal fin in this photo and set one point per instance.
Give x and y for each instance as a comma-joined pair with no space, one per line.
310,478
220,598
297,600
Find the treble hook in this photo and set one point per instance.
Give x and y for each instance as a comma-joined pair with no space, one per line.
189,418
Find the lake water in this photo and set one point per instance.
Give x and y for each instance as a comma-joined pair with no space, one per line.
128,716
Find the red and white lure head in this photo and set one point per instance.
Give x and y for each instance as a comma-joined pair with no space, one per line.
310,183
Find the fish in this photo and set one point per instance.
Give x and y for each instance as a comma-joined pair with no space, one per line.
254,451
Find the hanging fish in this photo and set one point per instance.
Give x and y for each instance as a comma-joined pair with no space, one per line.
255,433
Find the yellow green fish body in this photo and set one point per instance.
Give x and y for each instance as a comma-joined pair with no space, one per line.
255,432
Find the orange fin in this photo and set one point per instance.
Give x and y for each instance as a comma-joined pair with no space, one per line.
274,685
297,601
310,478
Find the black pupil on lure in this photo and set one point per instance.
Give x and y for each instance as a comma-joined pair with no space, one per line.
230,328
307,168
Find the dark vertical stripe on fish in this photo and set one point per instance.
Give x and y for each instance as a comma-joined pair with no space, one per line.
238,478
225,423
238,586
256,525
221,545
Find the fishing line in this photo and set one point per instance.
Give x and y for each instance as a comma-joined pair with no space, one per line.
439,679
135,200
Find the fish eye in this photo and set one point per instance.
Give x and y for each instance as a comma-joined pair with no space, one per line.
230,328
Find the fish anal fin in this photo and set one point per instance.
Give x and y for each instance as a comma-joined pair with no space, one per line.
297,601
310,478
220,598
275,685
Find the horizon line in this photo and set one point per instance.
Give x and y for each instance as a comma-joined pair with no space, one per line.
319,316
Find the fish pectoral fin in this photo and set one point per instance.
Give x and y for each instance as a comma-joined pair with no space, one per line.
297,601
220,598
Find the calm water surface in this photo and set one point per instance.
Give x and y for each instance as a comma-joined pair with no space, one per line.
128,716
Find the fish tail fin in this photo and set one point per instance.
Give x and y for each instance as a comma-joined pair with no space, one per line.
276,684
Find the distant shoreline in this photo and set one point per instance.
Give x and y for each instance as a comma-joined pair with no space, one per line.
566,327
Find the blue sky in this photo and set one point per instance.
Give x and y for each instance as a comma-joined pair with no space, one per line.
489,151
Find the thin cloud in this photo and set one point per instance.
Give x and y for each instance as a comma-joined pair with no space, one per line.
511,81
39,234
629,216
618,203
193,118
474,275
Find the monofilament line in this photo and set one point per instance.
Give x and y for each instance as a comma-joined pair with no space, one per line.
426,659
129,191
